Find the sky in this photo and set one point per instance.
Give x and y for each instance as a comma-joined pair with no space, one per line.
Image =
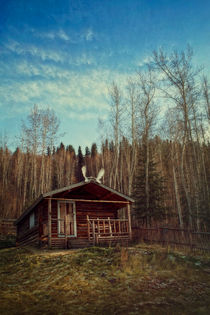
65,54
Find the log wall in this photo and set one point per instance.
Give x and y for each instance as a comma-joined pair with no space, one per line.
23,226
27,235
30,237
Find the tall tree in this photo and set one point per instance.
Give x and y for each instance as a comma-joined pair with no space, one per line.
130,156
180,87
147,114
80,163
116,111
38,133
149,206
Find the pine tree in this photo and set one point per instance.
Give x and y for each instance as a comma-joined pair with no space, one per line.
94,160
156,209
88,161
80,163
70,149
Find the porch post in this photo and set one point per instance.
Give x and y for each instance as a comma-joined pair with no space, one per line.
49,223
94,235
110,227
88,226
129,220
65,230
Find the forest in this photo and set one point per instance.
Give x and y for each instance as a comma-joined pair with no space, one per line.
154,147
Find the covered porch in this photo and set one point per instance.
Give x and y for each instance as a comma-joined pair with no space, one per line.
86,222
108,230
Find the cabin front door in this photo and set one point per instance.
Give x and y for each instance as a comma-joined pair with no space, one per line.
67,219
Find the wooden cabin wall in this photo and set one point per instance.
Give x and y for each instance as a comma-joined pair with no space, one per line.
54,217
26,235
94,211
56,241
44,218
44,211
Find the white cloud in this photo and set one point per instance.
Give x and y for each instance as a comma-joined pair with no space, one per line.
84,59
49,54
49,35
82,116
54,34
61,34
78,99
44,54
85,94
88,34
26,68
144,61
72,36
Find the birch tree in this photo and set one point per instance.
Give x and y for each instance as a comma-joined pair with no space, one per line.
116,111
147,186
181,89
38,132
146,108
130,152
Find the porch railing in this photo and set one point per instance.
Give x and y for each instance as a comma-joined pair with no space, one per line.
107,229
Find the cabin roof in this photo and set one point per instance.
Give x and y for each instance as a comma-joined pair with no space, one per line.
97,190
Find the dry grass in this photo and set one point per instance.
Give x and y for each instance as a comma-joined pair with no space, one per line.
135,280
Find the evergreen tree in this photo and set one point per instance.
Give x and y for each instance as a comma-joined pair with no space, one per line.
94,160
54,150
87,152
61,147
156,209
70,149
48,151
80,163
88,160
94,150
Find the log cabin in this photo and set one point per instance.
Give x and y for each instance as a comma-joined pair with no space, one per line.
83,214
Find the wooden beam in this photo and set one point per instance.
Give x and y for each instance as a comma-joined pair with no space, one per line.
84,200
98,226
65,229
49,224
94,235
88,224
129,221
110,227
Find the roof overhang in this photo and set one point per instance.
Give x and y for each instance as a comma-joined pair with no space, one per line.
28,210
119,197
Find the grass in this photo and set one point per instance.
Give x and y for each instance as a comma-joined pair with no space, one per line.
140,279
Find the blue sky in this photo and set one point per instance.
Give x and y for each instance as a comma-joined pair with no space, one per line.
64,54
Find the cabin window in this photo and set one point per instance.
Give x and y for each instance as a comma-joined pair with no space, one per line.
32,220
66,219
